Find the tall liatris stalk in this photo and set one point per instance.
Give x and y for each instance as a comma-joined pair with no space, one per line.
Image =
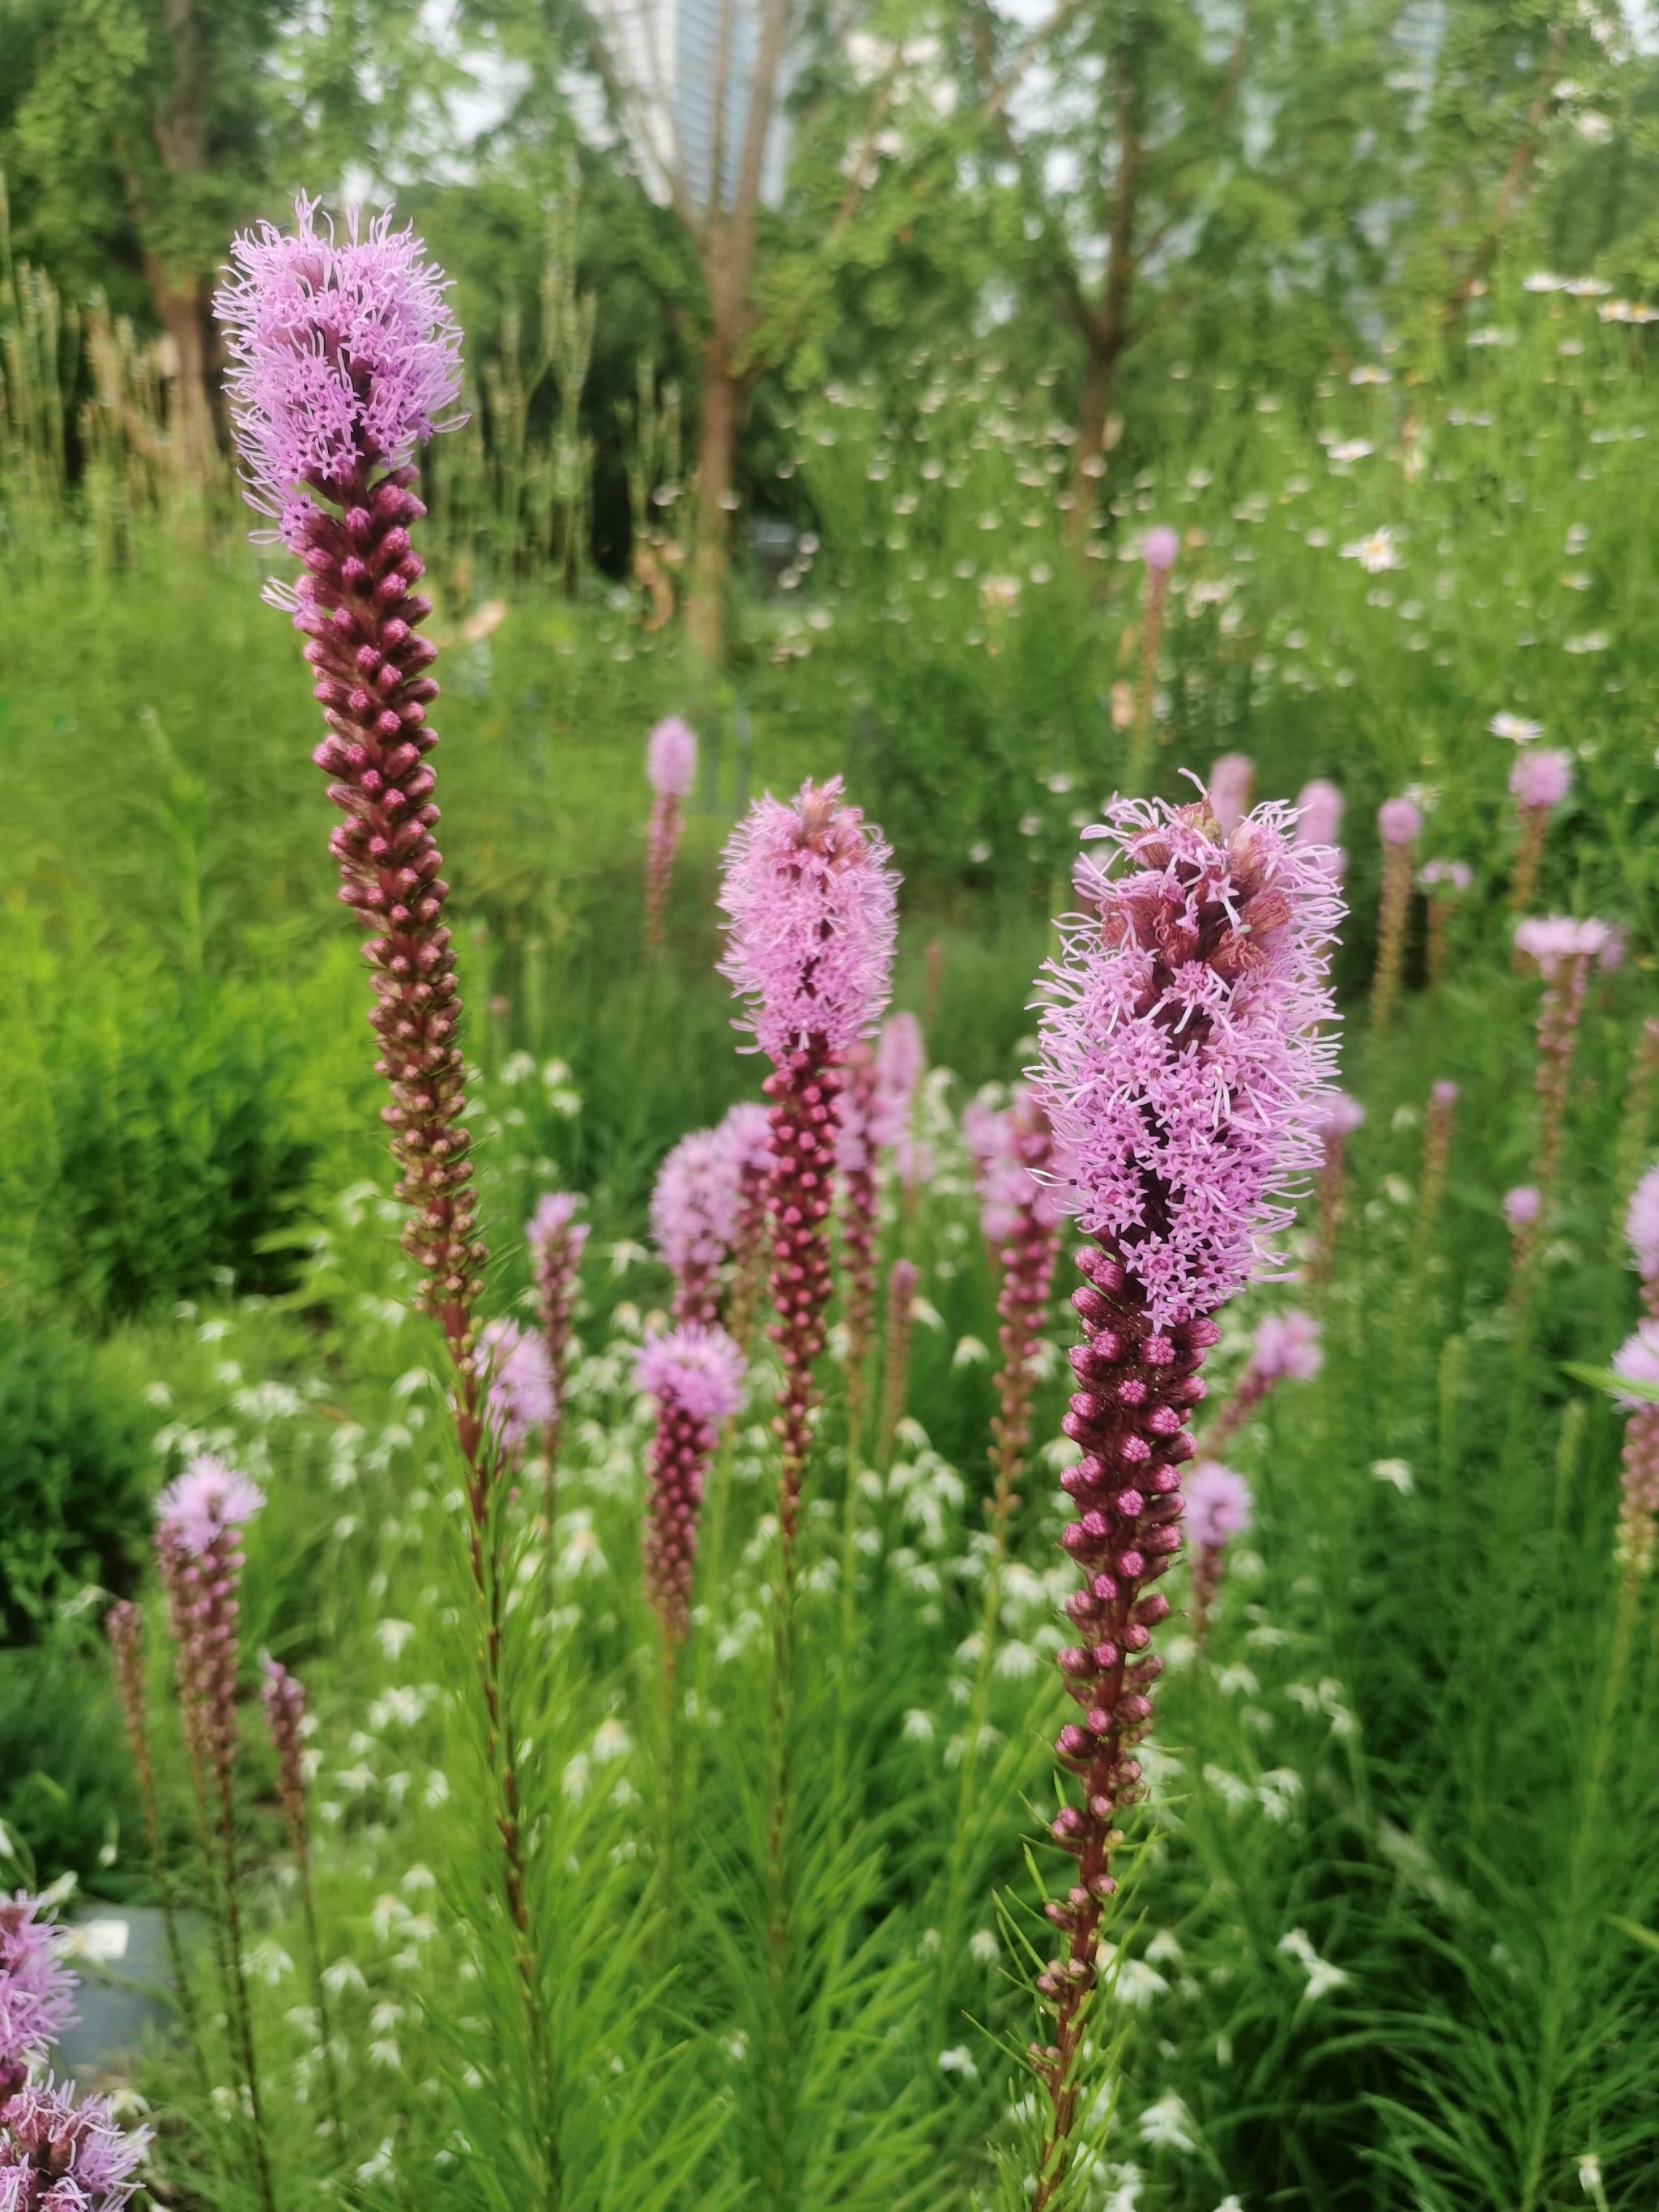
1521,1207
903,1278
1340,1117
345,358
1437,1158
696,1375
36,2003
1184,1044
1563,950
556,1241
198,1524
1539,782
1443,883
1398,823
1218,1509
671,765
746,1131
1233,784
1286,1349
124,1626
283,1698
855,1165
1638,1361
694,1222
811,906
1020,1212
1159,550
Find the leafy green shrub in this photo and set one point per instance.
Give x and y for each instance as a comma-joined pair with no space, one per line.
74,1488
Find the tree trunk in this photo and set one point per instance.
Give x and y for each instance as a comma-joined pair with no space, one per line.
1099,382
182,312
711,557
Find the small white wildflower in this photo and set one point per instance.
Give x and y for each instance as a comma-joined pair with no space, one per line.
958,2064
983,1947
1395,1471
970,1353
392,1635
344,1974
918,1726
1168,2126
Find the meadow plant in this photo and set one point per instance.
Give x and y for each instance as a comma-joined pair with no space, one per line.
1232,780
1539,782
519,1398
59,2152
124,1626
811,908
1642,1230
855,1165
694,1221
670,768
1020,1211
1184,1048
696,1375
746,1132
199,1518
1521,1210
1638,1361
902,1280
1443,883
1160,549
1563,950
1340,1115
556,1241
1218,1505
345,358
1436,1157
282,1695
1286,1349
1399,823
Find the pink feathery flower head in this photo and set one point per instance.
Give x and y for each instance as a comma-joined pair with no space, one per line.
1218,1505
1444,876
1287,1348
1339,1114
1553,940
1636,1360
518,1385
343,357
35,1987
1186,1045
1318,813
696,1377
811,906
746,1132
1541,779
282,1695
1232,779
208,1498
1642,1225
1399,821
1521,1204
58,2154
671,759
693,1217
1445,1093
901,1059
700,1370
556,1216
1160,548
1004,1145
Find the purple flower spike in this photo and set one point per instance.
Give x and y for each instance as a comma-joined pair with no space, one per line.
208,1498
1318,813
58,2154
1638,1361
1340,1117
671,765
35,2001
344,358
1218,1505
556,1241
696,1377
1521,1206
1016,1169
811,907
1398,823
198,1521
694,1220
811,899
519,1386
746,1132
1539,782
1185,1048
1563,948
1642,1229
1160,548
284,1700
1233,780
1286,1350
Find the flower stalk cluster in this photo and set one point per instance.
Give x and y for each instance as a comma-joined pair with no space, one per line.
1184,1047
1443,883
1020,1213
810,900
696,1375
1398,823
1340,1115
556,1241
1539,782
1219,1506
124,1626
671,765
1159,551
1564,950
283,1698
1286,1349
